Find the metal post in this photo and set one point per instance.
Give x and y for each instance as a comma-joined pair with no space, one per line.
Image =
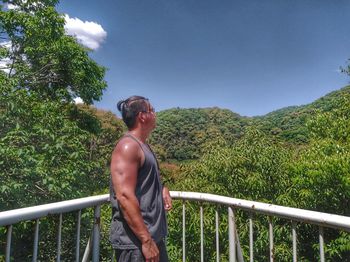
87,252
238,248
231,234
321,244
271,240
77,245
59,238
294,233
36,241
96,235
217,236
183,232
202,235
8,243
113,256
251,238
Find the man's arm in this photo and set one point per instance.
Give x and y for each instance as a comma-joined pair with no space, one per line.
126,159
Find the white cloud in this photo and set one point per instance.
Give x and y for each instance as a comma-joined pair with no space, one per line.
6,44
78,100
4,65
89,34
4,62
11,6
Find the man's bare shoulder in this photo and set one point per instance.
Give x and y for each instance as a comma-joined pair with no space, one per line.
126,158
127,148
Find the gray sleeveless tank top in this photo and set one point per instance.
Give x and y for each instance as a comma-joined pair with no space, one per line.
149,194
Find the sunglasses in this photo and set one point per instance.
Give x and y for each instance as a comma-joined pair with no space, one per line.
150,110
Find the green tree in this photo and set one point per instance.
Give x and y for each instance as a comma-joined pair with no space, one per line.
254,167
321,174
182,133
43,58
50,150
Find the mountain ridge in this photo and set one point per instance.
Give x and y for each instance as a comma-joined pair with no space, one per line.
182,132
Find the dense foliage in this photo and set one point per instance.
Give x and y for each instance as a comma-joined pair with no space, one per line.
289,124
42,58
252,168
51,152
50,149
49,146
182,133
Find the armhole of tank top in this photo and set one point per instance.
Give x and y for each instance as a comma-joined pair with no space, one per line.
139,143
154,155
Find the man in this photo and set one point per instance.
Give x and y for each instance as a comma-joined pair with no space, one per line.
139,200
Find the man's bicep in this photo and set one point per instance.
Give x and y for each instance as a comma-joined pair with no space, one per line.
124,167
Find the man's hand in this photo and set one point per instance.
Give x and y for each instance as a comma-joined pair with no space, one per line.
150,251
167,199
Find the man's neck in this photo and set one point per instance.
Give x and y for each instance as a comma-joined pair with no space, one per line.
139,134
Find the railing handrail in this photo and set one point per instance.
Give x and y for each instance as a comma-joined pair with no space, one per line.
30,213
296,214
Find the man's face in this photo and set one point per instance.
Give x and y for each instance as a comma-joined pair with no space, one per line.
150,116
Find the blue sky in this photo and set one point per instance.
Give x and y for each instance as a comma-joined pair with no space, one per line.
250,56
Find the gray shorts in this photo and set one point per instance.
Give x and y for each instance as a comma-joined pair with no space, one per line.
135,255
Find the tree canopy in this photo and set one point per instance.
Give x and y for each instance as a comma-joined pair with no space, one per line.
50,149
42,58
182,134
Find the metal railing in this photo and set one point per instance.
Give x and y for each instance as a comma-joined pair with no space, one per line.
11,217
323,220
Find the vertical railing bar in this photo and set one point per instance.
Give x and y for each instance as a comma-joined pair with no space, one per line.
271,240
36,241
231,234
238,248
96,235
294,233
321,236
8,243
59,238
217,236
251,238
87,251
77,245
113,256
183,232
202,235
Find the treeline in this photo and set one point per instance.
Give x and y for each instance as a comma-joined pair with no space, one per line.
182,134
289,124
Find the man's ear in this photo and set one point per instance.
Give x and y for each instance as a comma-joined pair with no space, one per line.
141,117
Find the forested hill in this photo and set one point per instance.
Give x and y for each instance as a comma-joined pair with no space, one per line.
289,123
182,134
